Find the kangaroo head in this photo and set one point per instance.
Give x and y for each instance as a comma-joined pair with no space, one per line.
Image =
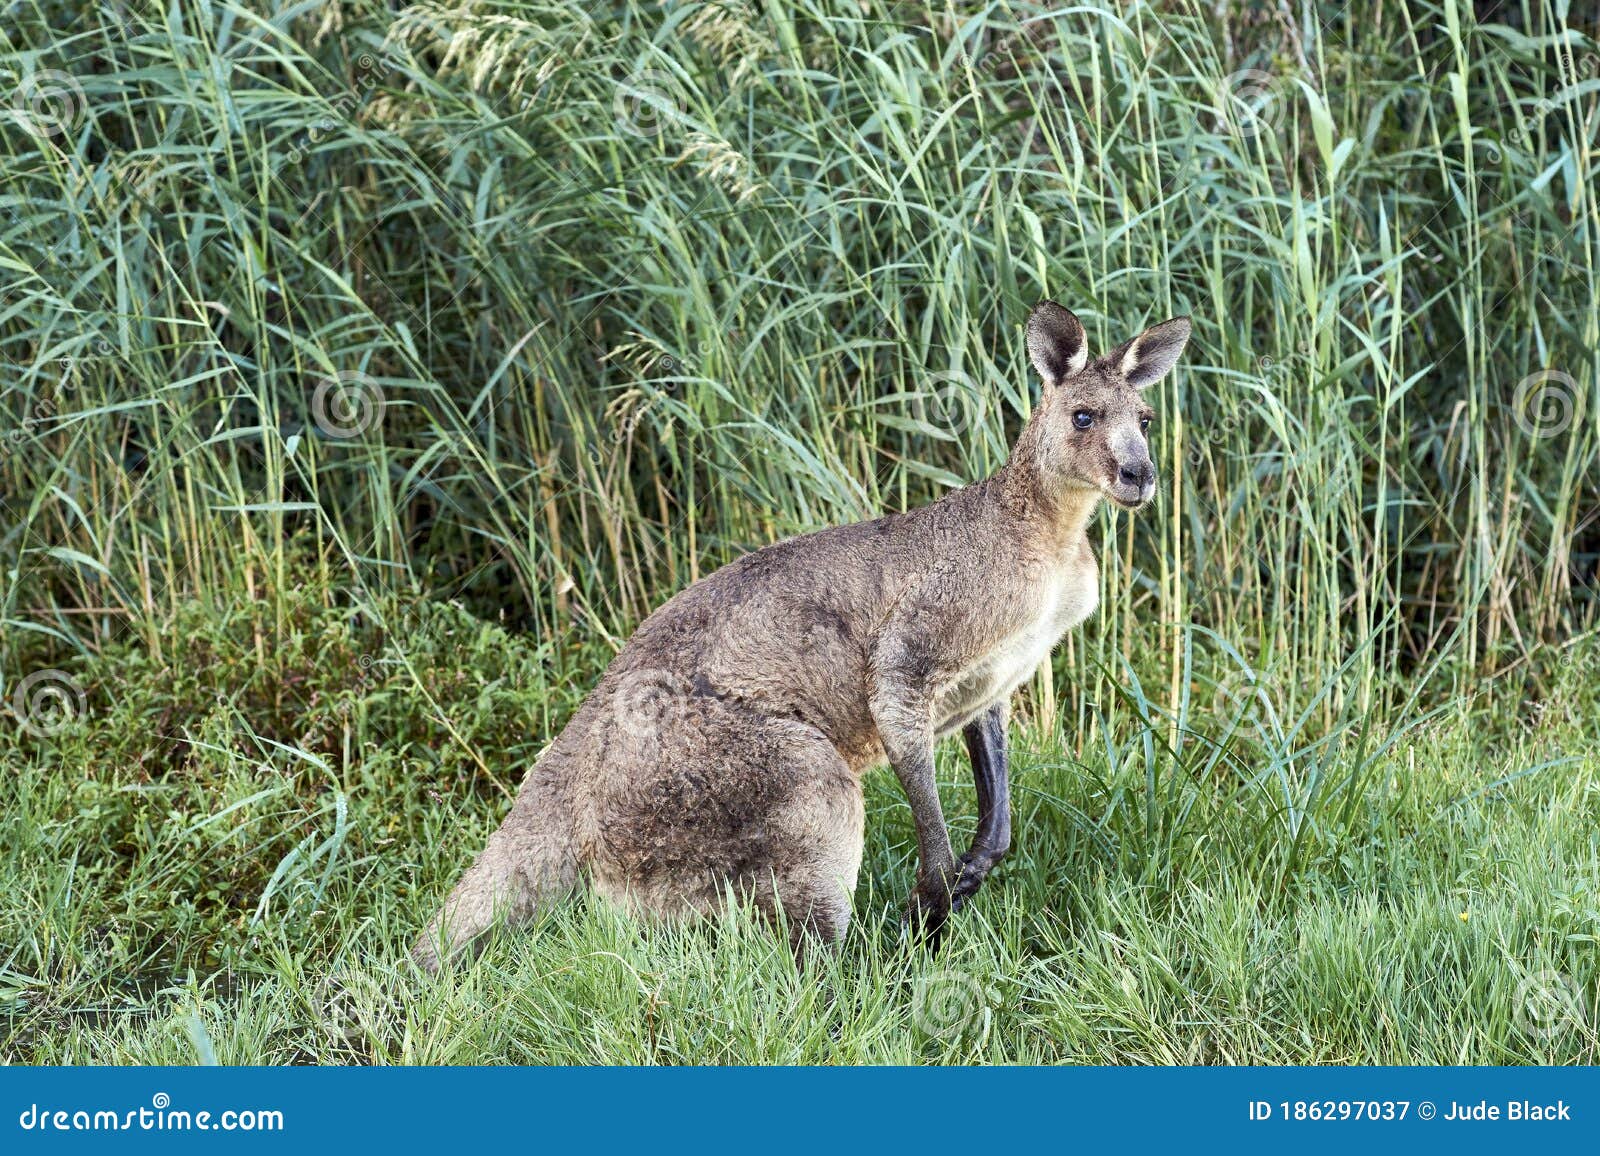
1090,431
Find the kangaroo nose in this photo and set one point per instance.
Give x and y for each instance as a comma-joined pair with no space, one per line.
1133,475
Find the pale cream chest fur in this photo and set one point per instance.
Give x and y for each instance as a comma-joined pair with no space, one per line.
1065,597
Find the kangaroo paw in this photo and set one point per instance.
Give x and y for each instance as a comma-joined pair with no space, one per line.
930,905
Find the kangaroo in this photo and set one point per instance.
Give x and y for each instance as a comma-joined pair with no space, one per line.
723,749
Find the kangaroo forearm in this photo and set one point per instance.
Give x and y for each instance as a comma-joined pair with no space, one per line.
914,769
903,715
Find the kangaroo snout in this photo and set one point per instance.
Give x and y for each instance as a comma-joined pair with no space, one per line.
1135,483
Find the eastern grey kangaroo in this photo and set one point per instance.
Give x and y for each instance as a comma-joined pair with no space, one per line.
723,749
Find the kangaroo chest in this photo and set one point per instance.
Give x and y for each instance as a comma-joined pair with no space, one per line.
1067,596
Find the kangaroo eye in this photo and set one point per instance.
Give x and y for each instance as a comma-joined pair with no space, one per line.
1144,425
1083,419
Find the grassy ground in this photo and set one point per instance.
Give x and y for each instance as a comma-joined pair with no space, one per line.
370,370
228,856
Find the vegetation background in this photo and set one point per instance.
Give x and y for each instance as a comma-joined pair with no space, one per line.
371,369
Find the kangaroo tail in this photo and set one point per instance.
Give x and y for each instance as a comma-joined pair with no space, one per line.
530,861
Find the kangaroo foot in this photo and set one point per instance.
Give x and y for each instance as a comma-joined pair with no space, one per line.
975,867
931,903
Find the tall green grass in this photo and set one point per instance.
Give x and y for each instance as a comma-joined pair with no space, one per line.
642,288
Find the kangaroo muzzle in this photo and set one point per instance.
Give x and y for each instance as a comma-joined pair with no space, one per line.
1135,483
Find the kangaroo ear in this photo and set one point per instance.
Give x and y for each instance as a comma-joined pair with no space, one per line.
1150,356
1056,343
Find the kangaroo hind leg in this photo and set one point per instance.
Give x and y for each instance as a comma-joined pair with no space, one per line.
820,832
733,797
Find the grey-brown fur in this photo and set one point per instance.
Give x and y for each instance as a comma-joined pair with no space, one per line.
724,747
